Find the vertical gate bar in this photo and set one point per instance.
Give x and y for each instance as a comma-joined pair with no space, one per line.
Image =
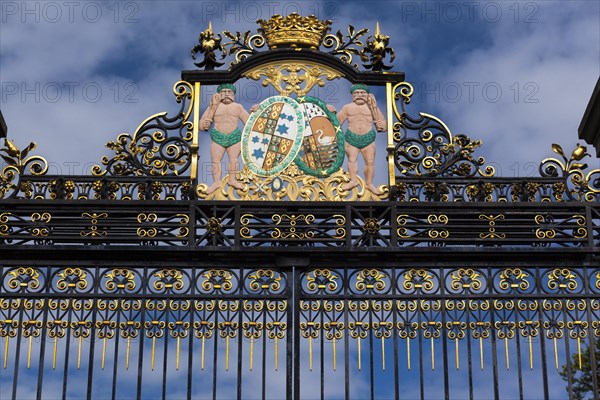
93,336
519,368
590,228
216,341
371,363
192,226
348,226
191,340
67,349
322,349
445,350
469,354
421,385
595,383
493,335
42,345
395,321
393,226
264,355
141,351
116,357
294,338
166,350
543,350
240,333
236,224
346,343
568,357
18,349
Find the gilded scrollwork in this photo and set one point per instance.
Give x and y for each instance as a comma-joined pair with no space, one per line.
265,281
17,163
4,227
371,280
93,229
72,279
120,280
293,77
151,151
41,221
466,280
292,185
417,280
321,280
345,48
24,279
580,185
168,280
513,280
217,281
562,279
293,232
492,234
435,151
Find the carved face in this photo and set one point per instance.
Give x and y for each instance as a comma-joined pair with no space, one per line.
227,96
359,96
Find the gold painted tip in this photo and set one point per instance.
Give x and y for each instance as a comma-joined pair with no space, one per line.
377,32
210,26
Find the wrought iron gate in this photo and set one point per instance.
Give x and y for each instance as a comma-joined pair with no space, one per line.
447,281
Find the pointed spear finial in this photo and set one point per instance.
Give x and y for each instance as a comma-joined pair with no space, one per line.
210,26
377,33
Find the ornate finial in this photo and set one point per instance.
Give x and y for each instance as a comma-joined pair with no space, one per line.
377,48
208,44
294,31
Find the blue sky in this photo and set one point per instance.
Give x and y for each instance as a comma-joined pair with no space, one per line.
516,75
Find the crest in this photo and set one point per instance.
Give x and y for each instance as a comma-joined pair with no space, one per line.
272,136
322,151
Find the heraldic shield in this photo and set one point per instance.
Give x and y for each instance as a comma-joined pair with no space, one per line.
322,151
285,130
273,135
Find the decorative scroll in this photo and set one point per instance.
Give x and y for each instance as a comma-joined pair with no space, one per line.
435,152
400,314
353,226
151,151
579,184
292,185
296,229
293,77
17,163
243,45
344,48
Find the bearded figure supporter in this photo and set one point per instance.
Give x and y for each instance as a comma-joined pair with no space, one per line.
224,113
360,136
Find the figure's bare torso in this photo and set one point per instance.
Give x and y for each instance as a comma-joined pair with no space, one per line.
226,117
360,119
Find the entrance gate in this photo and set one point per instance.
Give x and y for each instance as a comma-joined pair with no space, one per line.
135,282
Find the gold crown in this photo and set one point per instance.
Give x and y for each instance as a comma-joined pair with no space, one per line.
294,31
